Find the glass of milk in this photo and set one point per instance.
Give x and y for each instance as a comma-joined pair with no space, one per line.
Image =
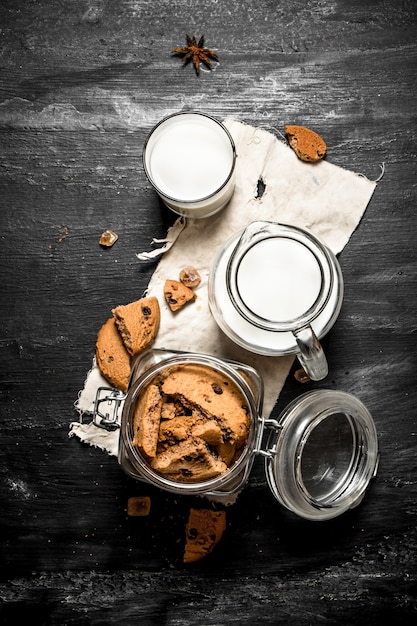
189,159
275,290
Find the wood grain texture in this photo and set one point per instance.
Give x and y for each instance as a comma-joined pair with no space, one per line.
81,85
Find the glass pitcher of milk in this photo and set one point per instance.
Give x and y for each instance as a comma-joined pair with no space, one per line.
276,289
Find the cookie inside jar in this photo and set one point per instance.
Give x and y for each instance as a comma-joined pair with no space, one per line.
190,423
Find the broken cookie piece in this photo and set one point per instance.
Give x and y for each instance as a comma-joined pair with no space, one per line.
190,461
177,294
138,323
203,532
209,431
146,420
195,425
139,506
113,360
212,394
172,431
306,143
227,452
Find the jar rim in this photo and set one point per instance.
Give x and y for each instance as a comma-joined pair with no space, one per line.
152,134
266,231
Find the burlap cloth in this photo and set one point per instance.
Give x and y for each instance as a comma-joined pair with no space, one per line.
323,198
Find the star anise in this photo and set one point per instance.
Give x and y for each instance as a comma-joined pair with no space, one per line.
196,52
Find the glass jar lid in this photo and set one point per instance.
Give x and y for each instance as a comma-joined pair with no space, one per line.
322,455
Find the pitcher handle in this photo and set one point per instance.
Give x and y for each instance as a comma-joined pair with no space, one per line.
311,355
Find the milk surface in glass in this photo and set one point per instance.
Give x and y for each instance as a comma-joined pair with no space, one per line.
279,279
190,158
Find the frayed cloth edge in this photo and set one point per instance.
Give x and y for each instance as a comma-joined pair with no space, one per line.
168,241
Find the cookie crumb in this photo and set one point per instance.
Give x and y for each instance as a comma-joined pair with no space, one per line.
139,506
301,376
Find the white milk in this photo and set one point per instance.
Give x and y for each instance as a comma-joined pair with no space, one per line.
279,279
189,158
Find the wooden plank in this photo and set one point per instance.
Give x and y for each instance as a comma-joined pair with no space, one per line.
81,85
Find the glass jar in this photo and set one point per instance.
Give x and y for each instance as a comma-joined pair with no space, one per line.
320,454
149,367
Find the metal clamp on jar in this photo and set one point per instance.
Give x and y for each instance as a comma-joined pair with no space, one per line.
320,454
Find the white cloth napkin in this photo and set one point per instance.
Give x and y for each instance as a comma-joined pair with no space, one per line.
323,198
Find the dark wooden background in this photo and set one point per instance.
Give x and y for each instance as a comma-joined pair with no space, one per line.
81,84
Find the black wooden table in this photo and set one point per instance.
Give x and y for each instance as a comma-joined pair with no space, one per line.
81,84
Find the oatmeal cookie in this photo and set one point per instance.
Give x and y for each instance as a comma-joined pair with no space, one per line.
138,323
307,144
112,358
203,532
177,294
